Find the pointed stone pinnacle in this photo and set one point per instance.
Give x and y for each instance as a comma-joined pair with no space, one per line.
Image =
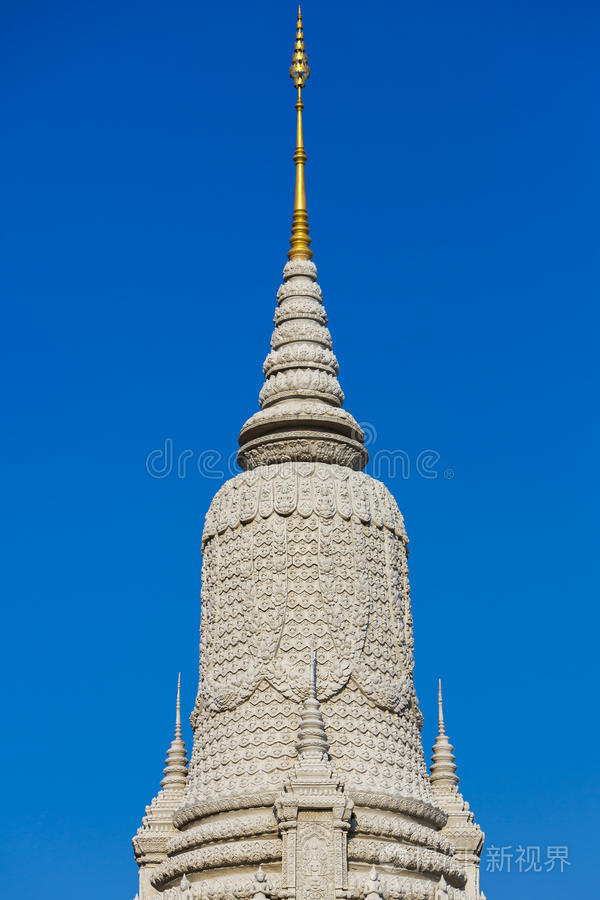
175,771
443,769
312,744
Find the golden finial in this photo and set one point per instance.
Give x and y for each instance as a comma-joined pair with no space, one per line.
300,72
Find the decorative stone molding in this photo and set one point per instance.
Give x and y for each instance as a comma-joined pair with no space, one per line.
308,356
398,828
300,307
220,856
249,826
301,383
410,859
222,804
410,806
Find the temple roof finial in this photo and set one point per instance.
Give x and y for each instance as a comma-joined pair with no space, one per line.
175,771
300,72
443,770
150,842
178,732
301,418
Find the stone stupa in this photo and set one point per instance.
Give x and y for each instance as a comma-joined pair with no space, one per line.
307,778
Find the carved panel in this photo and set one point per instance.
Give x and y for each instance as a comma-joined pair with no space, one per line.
315,857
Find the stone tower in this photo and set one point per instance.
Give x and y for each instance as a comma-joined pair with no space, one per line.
307,779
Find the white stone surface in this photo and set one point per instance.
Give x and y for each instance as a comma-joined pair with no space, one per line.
307,779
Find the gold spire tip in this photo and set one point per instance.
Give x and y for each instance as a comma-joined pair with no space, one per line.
300,73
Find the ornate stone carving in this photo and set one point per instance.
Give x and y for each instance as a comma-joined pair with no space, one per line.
410,859
313,813
315,781
372,888
236,853
301,416
308,356
260,887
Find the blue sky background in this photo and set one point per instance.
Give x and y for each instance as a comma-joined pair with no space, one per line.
454,189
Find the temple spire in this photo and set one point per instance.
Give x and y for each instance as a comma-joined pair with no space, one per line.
443,769
157,828
300,72
301,418
461,829
175,771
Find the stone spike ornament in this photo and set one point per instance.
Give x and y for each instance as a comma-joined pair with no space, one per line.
461,829
299,787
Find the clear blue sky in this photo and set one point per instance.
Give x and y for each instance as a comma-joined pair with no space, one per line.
453,197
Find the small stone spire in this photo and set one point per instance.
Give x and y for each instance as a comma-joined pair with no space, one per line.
461,828
150,842
443,769
175,771
312,744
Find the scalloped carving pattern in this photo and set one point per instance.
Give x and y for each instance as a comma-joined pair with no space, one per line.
304,354
296,556
301,382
